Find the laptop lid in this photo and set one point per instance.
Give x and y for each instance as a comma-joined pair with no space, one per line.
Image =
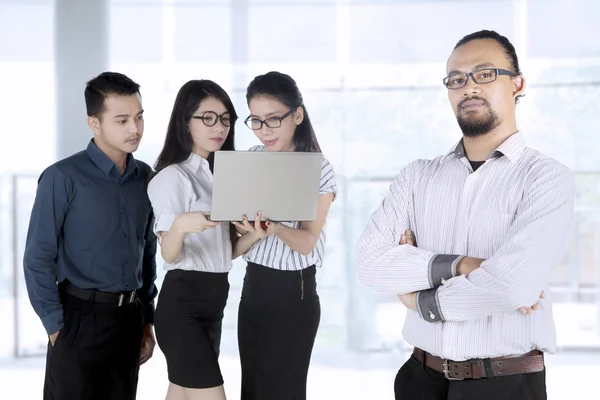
284,186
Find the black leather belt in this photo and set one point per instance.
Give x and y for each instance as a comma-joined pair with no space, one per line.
96,296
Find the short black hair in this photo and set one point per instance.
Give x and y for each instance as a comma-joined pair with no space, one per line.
509,49
105,84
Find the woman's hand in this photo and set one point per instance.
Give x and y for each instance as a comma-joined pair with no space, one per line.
256,228
194,222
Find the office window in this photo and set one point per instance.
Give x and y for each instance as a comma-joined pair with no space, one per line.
556,30
136,32
421,31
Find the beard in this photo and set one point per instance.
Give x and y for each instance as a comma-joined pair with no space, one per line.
472,125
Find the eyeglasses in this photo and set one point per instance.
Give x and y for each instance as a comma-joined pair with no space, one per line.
210,118
273,122
457,81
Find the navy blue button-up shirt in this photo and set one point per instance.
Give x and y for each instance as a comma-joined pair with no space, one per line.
92,226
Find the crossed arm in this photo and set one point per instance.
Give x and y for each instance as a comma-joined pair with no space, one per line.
464,267
459,288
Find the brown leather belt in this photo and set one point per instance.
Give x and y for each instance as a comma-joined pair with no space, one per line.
486,368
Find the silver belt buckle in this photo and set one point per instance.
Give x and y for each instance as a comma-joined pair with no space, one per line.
130,297
446,372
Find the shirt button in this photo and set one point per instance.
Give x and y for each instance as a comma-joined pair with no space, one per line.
431,315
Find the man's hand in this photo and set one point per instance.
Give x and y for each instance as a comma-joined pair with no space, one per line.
409,300
148,344
467,265
53,338
464,267
408,238
535,307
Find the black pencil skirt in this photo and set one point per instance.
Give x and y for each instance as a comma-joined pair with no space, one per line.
188,322
278,320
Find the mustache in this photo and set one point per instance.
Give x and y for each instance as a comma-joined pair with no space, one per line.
484,101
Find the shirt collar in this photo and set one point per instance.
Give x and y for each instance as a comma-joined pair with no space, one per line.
105,164
195,162
512,148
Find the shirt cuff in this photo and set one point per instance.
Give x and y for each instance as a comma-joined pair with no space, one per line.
329,190
441,268
53,322
454,264
163,223
428,305
148,313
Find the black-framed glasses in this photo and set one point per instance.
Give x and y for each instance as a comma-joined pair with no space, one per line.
273,122
482,76
210,118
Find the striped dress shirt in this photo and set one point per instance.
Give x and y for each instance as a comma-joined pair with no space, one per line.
272,252
515,211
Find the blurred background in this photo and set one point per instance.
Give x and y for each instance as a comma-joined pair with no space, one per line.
371,75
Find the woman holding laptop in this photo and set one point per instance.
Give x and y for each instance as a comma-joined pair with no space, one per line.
197,252
279,311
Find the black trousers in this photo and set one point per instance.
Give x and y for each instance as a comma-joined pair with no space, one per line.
97,353
417,382
278,319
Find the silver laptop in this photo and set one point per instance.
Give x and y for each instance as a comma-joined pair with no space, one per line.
284,186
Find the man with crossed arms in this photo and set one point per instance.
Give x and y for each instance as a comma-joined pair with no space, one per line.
492,218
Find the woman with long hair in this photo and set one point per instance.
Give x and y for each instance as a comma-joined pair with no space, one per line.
197,251
279,311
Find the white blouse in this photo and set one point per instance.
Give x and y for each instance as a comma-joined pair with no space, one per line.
187,187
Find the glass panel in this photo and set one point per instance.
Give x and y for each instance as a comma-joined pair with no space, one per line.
562,122
388,129
412,32
136,32
27,31
300,34
202,33
573,32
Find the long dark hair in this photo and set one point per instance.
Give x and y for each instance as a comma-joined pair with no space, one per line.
283,88
178,142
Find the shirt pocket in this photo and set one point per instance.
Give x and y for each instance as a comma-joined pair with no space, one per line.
492,226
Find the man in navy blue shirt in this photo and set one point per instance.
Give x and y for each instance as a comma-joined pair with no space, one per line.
90,254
